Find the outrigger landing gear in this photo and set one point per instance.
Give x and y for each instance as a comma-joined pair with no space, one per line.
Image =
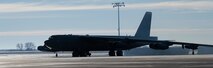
192,47
194,51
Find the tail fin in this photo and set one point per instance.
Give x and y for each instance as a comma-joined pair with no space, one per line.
143,31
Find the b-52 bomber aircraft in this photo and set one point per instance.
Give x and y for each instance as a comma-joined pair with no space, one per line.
81,45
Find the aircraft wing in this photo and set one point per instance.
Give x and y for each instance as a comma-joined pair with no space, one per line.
154,44
196,44
162,45
170,43
149,42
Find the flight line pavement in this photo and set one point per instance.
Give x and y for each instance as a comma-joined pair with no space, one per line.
49,61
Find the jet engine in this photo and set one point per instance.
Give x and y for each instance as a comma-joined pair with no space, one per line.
191,47
43,48
159,46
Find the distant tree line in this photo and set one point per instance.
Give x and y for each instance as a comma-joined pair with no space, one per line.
29,46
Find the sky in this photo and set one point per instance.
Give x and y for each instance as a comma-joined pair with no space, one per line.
34,21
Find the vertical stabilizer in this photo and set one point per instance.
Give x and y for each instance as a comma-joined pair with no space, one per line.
143,31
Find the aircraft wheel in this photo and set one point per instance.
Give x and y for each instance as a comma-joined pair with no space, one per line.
193,52
56,54
83,54
119,53
75,54
88,54
111,53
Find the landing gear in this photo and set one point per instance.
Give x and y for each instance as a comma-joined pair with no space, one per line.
111,53
75,54
192,47
81,54
56,54
89,54
118,53
193,52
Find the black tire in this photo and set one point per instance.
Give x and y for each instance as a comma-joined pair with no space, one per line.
111,53
56,54
75,54
89,54
119,53
83,54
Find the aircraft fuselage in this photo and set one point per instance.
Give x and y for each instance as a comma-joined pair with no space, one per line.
87,43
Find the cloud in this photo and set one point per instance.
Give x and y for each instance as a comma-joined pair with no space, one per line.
52,32
29,7
189,5
169,5
182,31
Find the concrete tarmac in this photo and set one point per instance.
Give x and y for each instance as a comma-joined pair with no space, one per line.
49,61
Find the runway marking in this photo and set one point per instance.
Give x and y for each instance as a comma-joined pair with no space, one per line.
104,63
109,62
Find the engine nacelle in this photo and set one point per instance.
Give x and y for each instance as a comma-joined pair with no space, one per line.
159,46
43,48
191,46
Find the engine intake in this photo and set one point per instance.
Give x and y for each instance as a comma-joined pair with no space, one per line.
43,48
